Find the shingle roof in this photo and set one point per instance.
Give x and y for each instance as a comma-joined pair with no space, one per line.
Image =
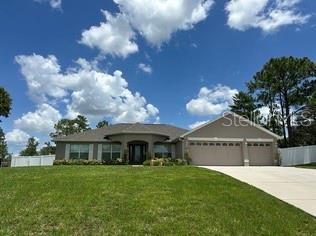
96,135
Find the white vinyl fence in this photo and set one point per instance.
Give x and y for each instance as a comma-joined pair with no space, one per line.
297,155
21,161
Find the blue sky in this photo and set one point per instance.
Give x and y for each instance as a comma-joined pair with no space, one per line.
176,62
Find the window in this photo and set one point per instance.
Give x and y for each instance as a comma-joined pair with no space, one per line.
231,144
237,144
225,144
268,144
256,145
218,144
79,151
192,144
205,144
199,144
212,144
162,150
261,145
249,144
111,151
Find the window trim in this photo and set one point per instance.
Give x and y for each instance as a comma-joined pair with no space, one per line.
163,154
111,151
79,151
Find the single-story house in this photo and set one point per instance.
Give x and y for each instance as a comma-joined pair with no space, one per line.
229,140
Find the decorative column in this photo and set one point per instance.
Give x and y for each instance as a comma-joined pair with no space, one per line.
275,151
173,151
99,157
245,152
91,152
67,151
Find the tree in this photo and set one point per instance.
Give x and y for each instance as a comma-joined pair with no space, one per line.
280,86
81,123
305,128
102,124
67,126
244,105
31,148
5,103
3,146
48,149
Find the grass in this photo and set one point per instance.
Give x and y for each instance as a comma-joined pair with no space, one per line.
308,166
103,200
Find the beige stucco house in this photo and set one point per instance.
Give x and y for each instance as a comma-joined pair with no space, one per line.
229,140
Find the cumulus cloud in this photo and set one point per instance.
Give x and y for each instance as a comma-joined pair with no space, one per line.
114,37
268,15
90,91
16,139
145,68
56,4
197,124
41,121
156,21
212,101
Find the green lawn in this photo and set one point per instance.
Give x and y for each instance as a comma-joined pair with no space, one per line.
309,166
124,200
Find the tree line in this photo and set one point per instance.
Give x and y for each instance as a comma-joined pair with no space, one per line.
286,87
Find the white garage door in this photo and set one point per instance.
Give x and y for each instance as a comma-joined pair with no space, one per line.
260,154
216,154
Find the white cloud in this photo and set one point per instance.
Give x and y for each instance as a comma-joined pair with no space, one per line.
211,101
157,20
42,76
145,68
16,139
41,121
56,4
197,124
268,15
115,37
264,111
90,91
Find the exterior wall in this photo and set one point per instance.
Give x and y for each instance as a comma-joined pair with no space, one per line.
60,151
231,127
179,150
95,151
124,139
220,129
150,139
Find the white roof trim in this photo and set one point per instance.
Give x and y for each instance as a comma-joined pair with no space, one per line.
260,140
215,139
240,117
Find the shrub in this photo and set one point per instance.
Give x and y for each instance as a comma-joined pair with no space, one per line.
147,163
89,162
165,162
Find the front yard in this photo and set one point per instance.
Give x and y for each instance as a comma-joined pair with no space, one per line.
121,200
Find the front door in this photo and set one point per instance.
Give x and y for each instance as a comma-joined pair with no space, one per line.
137,154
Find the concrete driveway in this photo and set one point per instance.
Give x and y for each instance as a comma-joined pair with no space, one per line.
296,186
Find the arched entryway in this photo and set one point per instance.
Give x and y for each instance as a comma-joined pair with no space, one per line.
137,152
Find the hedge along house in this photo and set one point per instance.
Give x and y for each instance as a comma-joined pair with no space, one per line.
229,140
